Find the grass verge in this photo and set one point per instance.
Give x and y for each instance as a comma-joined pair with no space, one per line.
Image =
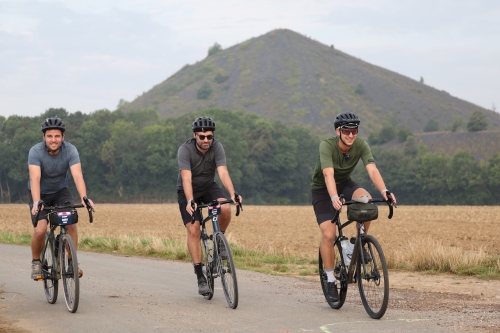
423,255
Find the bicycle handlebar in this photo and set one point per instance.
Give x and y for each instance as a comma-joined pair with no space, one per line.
239,205
389,201
87,205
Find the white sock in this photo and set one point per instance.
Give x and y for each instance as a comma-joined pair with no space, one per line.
329,275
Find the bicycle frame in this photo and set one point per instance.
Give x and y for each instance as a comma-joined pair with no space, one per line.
351,270
218,263
59,258
214,207
214,211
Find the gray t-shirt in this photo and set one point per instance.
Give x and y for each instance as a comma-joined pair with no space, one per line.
203,167
55,168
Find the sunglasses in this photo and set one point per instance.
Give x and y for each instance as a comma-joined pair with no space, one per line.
347,131
203,137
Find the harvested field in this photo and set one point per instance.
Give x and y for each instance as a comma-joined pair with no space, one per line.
291,229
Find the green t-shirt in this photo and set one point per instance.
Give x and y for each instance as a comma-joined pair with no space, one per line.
330,156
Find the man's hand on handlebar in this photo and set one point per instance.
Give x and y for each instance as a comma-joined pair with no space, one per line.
191,207
37,205
337,202
390,198
237,199
89,204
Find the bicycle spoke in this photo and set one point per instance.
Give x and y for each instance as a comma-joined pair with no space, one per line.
50,282
69,272
373,279
227,270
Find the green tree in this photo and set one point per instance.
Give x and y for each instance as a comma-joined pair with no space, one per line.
410,148
214,49
432,174
403,134
360,89
457,124
386,134
431,126
205,91
477,122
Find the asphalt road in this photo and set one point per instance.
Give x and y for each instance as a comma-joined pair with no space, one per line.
130,294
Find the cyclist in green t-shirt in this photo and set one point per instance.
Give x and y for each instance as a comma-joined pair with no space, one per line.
338,156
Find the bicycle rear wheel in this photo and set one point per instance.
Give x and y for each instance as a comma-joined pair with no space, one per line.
49,275
69,273
340,273
373,278
227,270
208,261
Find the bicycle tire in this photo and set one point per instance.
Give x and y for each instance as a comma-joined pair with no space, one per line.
227,271
340,273
373,283
69,272
208,270
49,275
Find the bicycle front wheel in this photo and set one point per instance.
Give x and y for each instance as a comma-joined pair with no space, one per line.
69,273
49,275
226,270
373,278
340,273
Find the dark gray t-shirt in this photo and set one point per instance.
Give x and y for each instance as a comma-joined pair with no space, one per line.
203,167
55,168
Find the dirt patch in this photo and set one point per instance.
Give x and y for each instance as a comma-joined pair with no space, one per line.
9,326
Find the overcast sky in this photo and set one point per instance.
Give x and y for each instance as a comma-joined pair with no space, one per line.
86,55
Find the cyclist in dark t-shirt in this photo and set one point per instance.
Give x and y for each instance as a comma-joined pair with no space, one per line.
338,156
199,158
48,163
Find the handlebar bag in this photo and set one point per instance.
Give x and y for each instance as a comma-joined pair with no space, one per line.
63,217
362,212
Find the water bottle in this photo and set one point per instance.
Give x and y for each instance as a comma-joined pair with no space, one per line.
350,248
345,249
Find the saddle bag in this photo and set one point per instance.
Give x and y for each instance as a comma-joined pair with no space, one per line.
362,212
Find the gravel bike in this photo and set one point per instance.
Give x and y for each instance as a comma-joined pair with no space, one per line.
59,253
217,256
367,265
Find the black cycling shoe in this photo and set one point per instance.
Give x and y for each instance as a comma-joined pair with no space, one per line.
332,293
203,286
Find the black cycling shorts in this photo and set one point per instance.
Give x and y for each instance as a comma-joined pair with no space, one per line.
322,202
54,199
211,192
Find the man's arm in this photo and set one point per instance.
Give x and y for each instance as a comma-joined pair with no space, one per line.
187,187
328,173
227,182
35,174
76,172
377,180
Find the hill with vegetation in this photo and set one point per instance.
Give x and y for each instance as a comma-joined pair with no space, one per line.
481,145
289,77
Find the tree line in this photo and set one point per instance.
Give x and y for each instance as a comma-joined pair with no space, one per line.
132,157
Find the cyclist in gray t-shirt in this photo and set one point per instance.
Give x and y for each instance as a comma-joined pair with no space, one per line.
199,158
48,163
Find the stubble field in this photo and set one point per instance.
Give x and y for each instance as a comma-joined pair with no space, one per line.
292,230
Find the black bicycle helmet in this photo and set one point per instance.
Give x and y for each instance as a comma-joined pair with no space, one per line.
53,123
346,119
203,124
